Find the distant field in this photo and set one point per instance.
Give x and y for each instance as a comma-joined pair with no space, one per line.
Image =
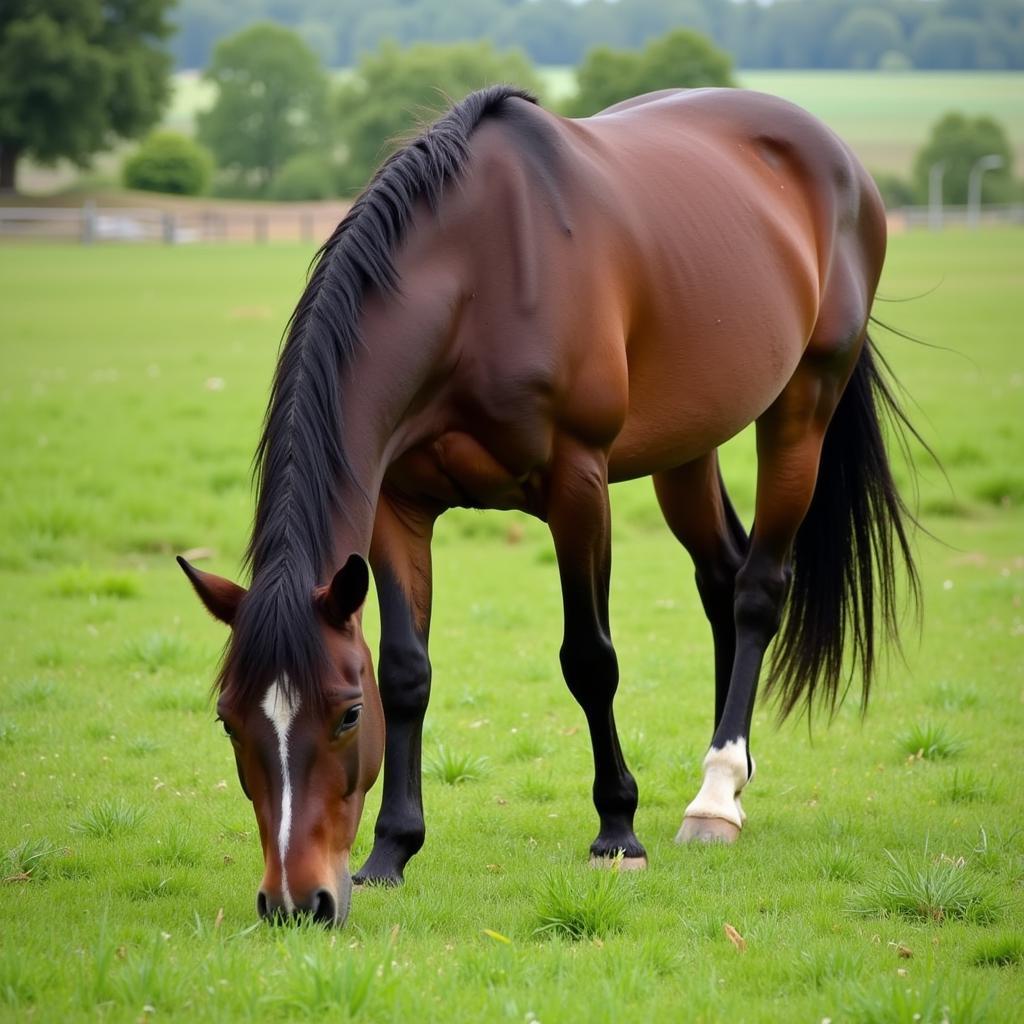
134,381
884,116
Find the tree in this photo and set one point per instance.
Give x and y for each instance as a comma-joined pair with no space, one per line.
960,142
681,59
271,102
864,37
394,90
169,162
948,44
75,75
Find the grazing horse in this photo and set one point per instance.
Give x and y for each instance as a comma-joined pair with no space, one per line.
519,310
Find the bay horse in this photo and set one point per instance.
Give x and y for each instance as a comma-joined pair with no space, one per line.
519,310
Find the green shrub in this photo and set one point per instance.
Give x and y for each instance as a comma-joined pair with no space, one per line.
169,162
304,176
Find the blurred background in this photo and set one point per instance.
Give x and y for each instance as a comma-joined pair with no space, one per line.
200,119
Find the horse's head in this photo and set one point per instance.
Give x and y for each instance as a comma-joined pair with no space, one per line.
305,760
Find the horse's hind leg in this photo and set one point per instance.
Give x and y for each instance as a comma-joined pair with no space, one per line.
789,440
580,522
697,510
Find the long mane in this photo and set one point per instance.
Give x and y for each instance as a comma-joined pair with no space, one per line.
300,465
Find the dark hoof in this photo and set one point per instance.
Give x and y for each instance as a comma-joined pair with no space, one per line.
619,864
707,830
387,881
608,849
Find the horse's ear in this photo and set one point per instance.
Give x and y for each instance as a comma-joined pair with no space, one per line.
221,596
347,592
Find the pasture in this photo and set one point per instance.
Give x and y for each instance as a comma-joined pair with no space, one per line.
879,876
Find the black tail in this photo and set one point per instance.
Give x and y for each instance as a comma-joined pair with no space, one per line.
846,551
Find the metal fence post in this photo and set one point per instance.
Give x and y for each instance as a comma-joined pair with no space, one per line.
88,222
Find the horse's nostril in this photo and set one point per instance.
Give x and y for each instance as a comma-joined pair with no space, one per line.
324,908
262,907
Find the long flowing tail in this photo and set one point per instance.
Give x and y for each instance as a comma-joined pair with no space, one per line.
846,553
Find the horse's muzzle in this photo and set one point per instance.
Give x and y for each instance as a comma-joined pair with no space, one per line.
321,905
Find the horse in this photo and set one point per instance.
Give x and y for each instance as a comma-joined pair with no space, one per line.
519,310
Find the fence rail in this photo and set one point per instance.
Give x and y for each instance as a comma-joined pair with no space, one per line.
90,223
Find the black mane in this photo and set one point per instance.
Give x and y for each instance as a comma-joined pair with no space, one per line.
300,464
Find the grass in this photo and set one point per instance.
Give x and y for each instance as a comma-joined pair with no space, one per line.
452,767
930,741
934,889
582,903
109,819
105,720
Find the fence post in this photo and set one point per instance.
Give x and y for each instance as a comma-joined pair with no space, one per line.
88,222
307,227
260,227
168,227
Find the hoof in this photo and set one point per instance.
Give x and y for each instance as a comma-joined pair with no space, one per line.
376,881
707,830
613,863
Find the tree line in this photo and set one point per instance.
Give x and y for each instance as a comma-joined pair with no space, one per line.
74,79
924,34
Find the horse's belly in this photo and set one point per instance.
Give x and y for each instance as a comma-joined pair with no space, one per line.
690,393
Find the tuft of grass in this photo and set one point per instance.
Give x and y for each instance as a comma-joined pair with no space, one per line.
142,746
318,984
177,846
51,655
83,581
8,732
194,698
32,693
931,890
930,741
109,819
948,696
1005,490
452,767
938,1001
31,858
582,903
966,786
155,651
527,746
837,863
999,951
539,789
818,968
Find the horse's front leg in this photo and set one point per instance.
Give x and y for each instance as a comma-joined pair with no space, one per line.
580,522
400,556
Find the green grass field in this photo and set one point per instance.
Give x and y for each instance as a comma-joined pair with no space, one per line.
880,875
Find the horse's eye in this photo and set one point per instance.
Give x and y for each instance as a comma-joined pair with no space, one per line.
349,720
228,731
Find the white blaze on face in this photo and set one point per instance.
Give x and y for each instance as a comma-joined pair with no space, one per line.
278,706
725,775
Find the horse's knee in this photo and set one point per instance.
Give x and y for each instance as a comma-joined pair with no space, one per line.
591,670
404,671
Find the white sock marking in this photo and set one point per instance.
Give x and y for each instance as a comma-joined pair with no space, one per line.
725,775
278,707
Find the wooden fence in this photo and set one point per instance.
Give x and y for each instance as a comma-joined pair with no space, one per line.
90,224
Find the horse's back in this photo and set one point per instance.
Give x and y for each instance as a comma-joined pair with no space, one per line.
736,214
